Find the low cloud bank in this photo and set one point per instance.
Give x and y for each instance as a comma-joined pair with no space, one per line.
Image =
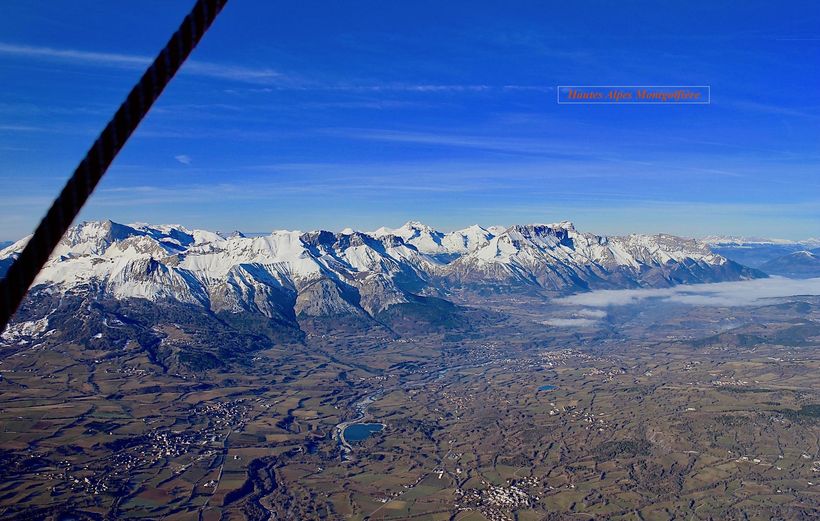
571,322
742,293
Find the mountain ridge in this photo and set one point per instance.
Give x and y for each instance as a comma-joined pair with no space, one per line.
798,264
290,274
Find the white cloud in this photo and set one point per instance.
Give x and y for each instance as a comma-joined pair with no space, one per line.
139,62
102,58
239,73
592,313
571,322
184,159
730,294
21,128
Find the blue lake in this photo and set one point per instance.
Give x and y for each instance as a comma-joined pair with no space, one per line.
361,431
548,388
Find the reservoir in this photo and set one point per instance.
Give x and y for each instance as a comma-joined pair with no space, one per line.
548,388
361,431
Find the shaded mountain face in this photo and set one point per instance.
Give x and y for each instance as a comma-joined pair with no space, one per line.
286,284
800,264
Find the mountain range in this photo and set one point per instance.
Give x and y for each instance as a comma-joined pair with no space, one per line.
323,273
774,256
327,273
288,283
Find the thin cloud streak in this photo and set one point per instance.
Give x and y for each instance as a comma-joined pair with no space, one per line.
139,62
72,55
275,80
22,128
497,144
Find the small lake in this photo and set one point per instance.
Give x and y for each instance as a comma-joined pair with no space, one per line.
361,431
548,388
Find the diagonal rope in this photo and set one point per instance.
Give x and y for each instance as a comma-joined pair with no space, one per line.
65,208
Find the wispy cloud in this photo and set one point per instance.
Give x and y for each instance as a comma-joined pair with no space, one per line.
514,145
262,191
72,55
553,147
262,75
183,158
134,61
537,88
408,87
776,110
21,128
27,201
387,87
271,78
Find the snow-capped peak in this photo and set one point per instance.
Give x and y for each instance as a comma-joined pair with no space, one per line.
427,239
467,239
557,255
358,271
565,225
423,237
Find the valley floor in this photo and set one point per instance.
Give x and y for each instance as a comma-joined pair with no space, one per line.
678,413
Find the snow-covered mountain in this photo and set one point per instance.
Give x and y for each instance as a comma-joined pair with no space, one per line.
558,257
800,264
289,274
315,273
443,246
759,252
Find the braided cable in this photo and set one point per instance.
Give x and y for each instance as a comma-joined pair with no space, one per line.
64,210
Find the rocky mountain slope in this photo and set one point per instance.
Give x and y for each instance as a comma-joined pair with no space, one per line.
800,264
251,291
557,257
321,273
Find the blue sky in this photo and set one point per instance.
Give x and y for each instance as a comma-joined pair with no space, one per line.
317,114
